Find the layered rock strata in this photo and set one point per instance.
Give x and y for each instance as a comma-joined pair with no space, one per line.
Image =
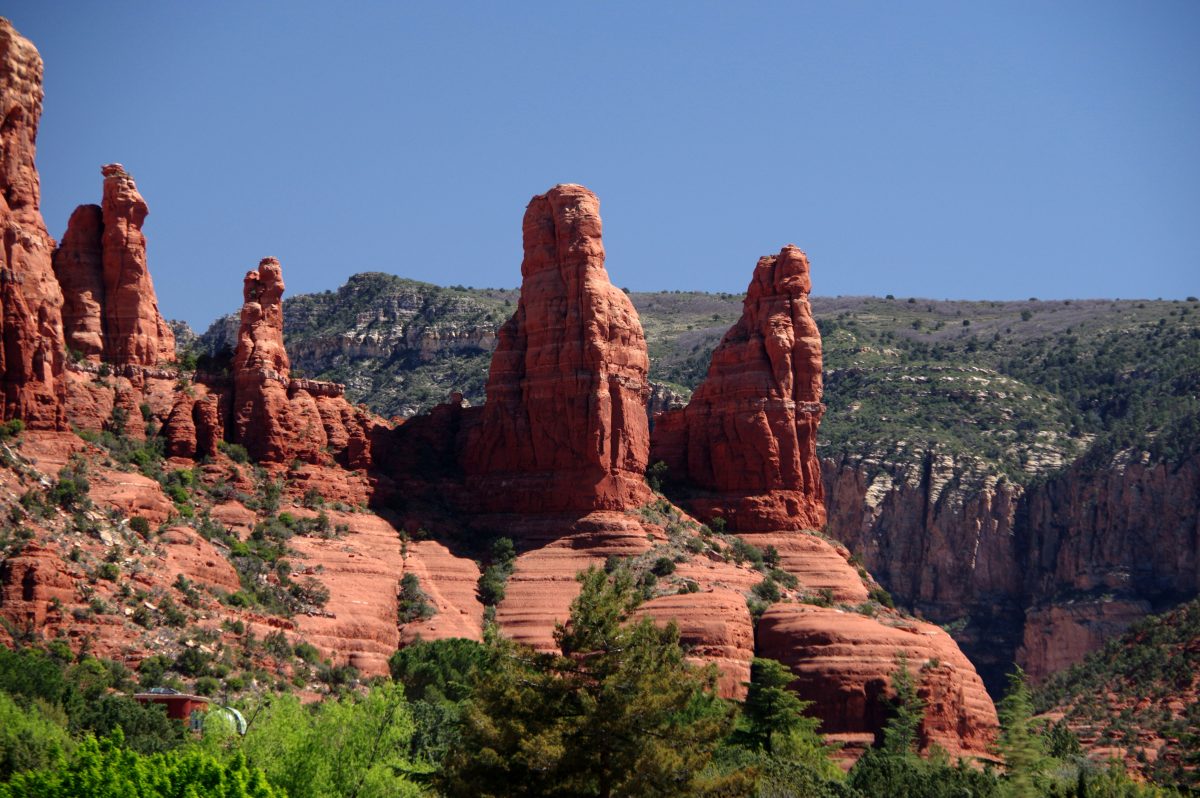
564,426
31,355
844,664
111,310
747,439
1073,559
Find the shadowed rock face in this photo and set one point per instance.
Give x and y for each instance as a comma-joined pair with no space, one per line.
564,426
110,309
31,360
79,267
747,439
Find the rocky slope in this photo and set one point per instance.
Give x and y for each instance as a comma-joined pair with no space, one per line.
1138,697
143,532
962,449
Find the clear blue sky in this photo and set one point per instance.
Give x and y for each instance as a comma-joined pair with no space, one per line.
936,149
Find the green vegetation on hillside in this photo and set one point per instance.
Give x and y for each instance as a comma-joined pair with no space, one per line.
1019,388
616,710
1141,693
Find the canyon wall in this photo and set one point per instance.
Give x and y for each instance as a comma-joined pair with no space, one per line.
1039,574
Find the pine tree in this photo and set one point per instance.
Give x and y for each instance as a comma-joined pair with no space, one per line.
771,708
617,711
901,734
1021,745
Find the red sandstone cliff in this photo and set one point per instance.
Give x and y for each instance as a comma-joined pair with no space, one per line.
564,426
747,439
1040,575
31,358
111,310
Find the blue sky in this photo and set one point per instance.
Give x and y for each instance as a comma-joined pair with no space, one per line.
935,149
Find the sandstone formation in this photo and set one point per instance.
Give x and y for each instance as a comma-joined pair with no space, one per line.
270,425
564,426
111,310
715,627
186,553
32,583
1067,561
361,571
555,459
31,357
79,267
843,663
747,439
556,549
819,565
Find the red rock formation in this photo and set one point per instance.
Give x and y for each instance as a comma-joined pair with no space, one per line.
748,436
134,330
564,426
186,553
79,267
554,549
180,430
362,572
111,310
450,584
843,663
819,565
269,425
715,627
30,584
31,357
210,430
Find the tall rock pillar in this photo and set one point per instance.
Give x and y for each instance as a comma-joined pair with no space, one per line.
31,355
747,439
564,426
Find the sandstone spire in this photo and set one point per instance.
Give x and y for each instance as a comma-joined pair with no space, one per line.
110,310
748,436
31,359
564,426
271,425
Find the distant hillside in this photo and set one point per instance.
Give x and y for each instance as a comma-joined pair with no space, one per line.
1023,386
1139,697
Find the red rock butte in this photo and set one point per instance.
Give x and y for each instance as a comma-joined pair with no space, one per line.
747,439
564,426
111,310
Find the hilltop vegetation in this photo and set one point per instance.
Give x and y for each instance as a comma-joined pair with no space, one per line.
1139,696
1022,388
